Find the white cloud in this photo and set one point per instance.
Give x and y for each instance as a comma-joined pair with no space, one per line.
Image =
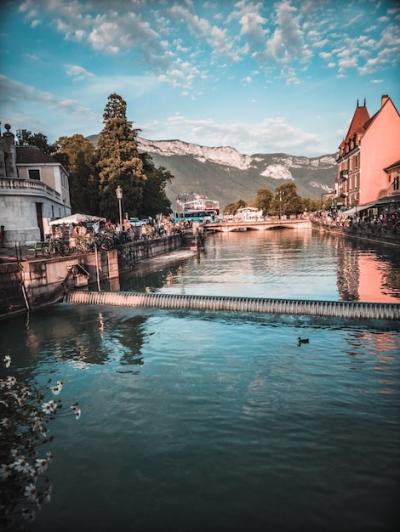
12,91
376,81
77,72
287,42
270,135
248,13
213,35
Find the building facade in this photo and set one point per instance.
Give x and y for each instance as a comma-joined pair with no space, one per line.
34,190
370,145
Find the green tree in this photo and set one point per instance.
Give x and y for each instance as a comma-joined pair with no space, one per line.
312,204
27,138
154,199
263,200
118,161
286,200
232,208
77,155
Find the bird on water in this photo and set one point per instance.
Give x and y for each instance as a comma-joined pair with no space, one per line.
302,341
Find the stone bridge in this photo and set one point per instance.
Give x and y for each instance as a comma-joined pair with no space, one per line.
258,225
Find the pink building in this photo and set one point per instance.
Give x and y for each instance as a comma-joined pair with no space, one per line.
370,146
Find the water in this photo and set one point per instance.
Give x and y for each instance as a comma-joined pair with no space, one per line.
219,422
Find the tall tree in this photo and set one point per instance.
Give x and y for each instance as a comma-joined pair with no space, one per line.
154,199
77,155
118,161
232,208
263,200
286,200
27,138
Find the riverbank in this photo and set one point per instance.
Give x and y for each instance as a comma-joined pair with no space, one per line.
33,283
359,233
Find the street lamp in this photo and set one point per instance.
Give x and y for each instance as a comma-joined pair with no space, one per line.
119,194
280,204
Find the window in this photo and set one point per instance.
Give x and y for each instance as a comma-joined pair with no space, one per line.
396,183
52,211
34,174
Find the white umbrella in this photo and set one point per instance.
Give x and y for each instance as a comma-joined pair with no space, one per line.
77,219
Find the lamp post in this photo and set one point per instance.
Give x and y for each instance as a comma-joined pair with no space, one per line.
280,204
119,194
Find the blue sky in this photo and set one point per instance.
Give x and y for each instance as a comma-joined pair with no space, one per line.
261,76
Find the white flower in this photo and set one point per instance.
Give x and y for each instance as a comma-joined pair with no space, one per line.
41,465
5,471
77,410
5,422
30,492
10,382
49,455
21,466
50,407
7,361
56,389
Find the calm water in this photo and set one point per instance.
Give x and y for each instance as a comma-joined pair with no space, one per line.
219,422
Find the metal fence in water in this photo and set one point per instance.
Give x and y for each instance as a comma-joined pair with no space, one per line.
336,309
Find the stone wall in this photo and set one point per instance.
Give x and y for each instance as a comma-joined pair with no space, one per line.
11,295
132,253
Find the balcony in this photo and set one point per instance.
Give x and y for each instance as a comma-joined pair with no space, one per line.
27,187
344,174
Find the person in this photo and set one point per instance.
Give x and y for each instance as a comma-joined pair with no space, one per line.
2,236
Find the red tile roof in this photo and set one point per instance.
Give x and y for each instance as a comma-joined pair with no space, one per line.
360,117
32,155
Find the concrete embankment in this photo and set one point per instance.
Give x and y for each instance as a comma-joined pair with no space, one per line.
36,282
334,309
133,252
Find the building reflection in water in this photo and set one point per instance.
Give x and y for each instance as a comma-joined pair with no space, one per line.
364,274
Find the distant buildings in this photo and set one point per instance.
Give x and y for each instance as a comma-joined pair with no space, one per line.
368,159
196,202
33,190
249,214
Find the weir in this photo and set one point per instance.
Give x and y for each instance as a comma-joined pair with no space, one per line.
335,309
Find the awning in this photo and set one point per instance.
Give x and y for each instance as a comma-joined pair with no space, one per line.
358,208
77,219
388,199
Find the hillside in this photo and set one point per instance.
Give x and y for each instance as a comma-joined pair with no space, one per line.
225,174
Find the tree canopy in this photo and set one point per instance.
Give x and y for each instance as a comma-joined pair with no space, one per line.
286,201
27,138
263,200
232,208
118,161
95,172
77,155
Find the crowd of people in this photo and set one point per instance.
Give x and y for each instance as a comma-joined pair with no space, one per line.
83,237
368,221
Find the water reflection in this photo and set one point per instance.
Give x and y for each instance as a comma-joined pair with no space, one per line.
73,335
365,273
288,263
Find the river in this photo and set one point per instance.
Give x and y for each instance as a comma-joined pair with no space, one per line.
196,421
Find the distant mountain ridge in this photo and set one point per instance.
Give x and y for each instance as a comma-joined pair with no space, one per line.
225,174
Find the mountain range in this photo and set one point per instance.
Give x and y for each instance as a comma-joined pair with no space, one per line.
225,174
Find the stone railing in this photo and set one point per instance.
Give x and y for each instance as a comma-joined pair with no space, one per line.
27,187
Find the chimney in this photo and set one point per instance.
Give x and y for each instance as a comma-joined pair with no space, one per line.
384,99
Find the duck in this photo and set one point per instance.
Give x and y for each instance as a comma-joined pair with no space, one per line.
302,341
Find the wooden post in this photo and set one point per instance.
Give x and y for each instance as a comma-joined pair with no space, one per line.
97,268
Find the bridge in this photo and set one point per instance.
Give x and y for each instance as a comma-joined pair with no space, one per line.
261,225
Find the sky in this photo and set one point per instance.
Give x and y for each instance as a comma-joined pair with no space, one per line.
260,76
